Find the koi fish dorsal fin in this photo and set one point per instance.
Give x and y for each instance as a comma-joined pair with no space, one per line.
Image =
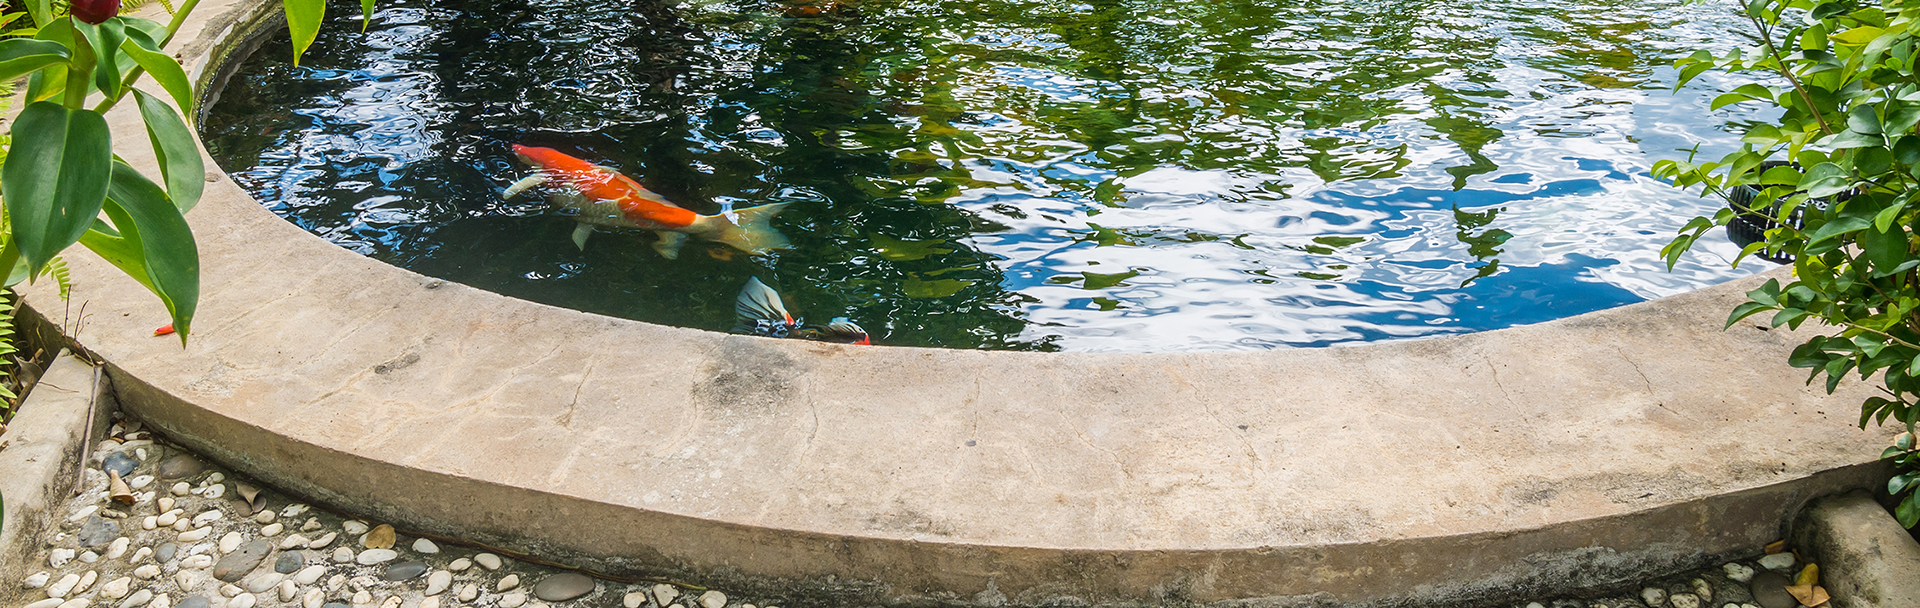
538,177
754,232
757,301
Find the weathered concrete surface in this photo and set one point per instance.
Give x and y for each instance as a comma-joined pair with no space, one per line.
1866,559
1556,456
40,465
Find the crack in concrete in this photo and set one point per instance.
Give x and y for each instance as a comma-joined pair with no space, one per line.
565,419
1495,369
1649,382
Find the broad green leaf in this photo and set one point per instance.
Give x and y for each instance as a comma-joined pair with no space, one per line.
42,11
146,219
366,14
1825,179
1900,483
1853,139
106,39
173,146
55,178
1744,310
118,251
1909,511
1885,249
1864,119
21,56
303,22
1847,222
1858,36
1887,216
163,68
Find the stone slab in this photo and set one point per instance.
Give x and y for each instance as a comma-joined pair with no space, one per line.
1564,455
45,446
1867,560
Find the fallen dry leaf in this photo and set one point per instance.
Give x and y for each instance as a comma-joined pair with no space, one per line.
1776,547
1809,576
1809,595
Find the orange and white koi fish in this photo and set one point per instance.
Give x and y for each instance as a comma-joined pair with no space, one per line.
761,313
604,197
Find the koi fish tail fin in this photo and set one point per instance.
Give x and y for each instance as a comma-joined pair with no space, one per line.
758,302
669,244
752,231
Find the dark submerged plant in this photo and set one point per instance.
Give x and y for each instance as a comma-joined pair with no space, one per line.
1843,207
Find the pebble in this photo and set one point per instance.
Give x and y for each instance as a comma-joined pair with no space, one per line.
231,541
469,592
713,599
289,562
89,557
182,489
59,557
37,580
117,588
1654,596
1737,571
139,598
62,587
167,518
179,467
265,581
508,583
165,552
238,564
119,463
375,556
460,565
342,554
216,490
1684,600
288,589
381,537
265,516
313,598
83,513
150,522
165,503
391,602
147,572
1770,590
362,598
634,600
272,530
1778,562
197,561
46,603
78,602
310,574
405,571
425,546
322,541
513,600
431,602
354,528
244,600
98,532
118,548
188,579
294,541
229,590
140,482
664,593
336,581
86,581
195,535
439,581
139,555
197,601
212,515
486,560
564,586
313,523
1704,590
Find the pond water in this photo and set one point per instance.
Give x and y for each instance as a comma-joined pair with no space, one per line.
1097,175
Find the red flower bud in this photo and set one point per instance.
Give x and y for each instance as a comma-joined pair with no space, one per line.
95,11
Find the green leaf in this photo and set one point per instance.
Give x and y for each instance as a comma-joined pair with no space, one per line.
106,39
42,11
153,225
366,14
1853,139
303,22
21,56
163,68
1825,179
1887,216
1847,222
1885,249
1900,483
1908,512
173,146
1858,36
1744,310
1864,119
55,178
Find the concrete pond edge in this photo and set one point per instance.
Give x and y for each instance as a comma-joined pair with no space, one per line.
1537,460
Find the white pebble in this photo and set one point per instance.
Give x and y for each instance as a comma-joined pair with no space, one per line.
147,572
139,598
186,579
272,530
313,598
264,580
140,482
1684,600
342,554
60,557
83,513
439,581
265,516
141,452
1654,596
664,593
336,581
511,581
62,587
431,602
230,542
78,602
469,592
117,588
323,541
46,603
1704,590
375,556
488,560
313,523
86,581
355,528
230,591
183,525
119,547
460,565
294,541
216,477
37,580
212,515
244,600
513,600
288,589
195,535
165,503
634,600
1778,562
293,510
425,546
167,518
182,489
141,554
150,522
216,490
89,557
713,599
362,598
309,574
391,602
1738,572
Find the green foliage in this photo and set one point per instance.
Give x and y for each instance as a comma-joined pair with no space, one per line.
1843,76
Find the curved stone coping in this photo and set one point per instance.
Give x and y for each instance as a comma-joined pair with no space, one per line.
1555,456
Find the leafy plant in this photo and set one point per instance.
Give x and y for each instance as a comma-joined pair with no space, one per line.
1844,207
